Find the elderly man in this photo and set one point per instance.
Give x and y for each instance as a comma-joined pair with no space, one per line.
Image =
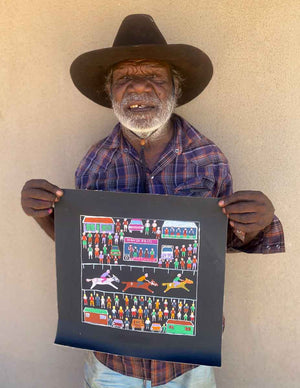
153,150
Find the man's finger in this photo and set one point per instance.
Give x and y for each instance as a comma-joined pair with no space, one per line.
43,184
246,228
244,218
40,195
238,196
243,207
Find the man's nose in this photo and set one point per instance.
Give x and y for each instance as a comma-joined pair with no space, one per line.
139,85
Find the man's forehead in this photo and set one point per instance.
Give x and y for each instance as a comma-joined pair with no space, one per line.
141,63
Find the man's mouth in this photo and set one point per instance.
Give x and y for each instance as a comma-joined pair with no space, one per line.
140,107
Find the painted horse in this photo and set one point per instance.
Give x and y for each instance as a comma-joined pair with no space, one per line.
144,286
179,285
105,282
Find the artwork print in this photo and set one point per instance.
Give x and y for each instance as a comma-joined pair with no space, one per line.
140,274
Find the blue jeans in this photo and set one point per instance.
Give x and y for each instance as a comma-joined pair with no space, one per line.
97,375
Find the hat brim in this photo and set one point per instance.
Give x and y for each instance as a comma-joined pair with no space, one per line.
88,71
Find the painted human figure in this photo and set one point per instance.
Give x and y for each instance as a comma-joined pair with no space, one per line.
189,263
192,317
185,317
154,226
149,303
84,240
160,262
135,252
193,307
147,323
97,251
104,249
166,303
186,308
172,232
179,315
96,238
105,275
101,257
166,313
114,312
135,300
163,328
118,226
85,299
110,239
190,250
116,237
167,263
158,233
90,252
153,315
127,312
126,324
157,303
176,264
110,321
117,301
92,300
178,232
182,263
183,250
195,245
126,300
174,304
146,311
142,301
147,227
152,253
172,313
180,306
142,279
121,312
108,258
108,302
146,254
194,265
102,302
133,312
177,280
115,260
121,235
130,249
141,252
160,315
90,238
166,232
176,251
184,233
140,312
97,300
125,225
103,236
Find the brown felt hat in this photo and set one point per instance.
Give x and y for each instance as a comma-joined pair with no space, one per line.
139,38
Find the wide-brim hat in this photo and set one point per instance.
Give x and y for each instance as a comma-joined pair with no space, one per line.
139,38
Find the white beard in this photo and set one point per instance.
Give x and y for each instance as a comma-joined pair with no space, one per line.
143,124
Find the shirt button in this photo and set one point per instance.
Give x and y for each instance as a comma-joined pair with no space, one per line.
125,149
152,177
268,247
277,246
177,150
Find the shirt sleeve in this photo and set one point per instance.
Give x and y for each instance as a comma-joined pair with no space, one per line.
269,240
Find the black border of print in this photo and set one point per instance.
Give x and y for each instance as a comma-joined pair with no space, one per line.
205,347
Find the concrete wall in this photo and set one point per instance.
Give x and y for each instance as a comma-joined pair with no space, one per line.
250,109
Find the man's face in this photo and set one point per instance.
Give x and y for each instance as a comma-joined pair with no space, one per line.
143,97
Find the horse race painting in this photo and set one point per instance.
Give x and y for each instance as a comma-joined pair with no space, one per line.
140,270
141,275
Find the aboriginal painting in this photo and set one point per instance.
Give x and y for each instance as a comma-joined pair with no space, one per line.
140,274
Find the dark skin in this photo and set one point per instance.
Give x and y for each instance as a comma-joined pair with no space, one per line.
248,212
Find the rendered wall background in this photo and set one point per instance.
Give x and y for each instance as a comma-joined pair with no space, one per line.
250,109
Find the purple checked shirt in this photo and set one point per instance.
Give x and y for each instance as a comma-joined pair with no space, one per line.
190,165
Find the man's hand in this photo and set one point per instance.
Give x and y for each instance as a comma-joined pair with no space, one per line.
38,197
248,212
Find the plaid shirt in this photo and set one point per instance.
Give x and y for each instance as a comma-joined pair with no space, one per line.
191,165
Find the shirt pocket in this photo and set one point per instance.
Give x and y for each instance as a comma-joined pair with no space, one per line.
198,187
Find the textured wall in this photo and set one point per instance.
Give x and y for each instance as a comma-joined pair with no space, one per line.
250,109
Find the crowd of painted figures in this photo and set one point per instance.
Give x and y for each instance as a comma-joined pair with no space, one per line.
140,312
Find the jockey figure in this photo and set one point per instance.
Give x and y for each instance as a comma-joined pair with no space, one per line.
142,279
105,275
177,280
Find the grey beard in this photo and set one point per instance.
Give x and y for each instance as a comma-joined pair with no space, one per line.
144,124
